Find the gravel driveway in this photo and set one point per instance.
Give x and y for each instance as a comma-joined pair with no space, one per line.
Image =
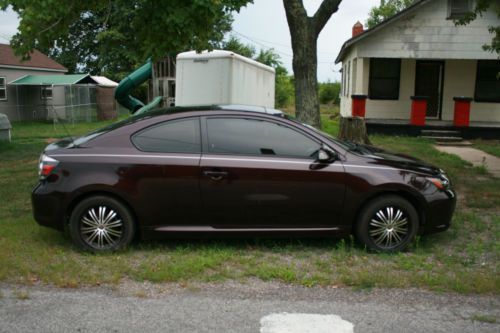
234,307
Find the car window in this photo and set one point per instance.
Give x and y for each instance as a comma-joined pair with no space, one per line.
257,137
177,136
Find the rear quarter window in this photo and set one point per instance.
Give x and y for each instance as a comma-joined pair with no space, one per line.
175,136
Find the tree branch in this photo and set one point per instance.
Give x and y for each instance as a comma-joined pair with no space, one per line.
50,26
323,14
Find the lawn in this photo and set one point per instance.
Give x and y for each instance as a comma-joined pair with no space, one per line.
463,259
490,146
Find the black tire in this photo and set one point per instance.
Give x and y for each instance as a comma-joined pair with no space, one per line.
100,224
387,224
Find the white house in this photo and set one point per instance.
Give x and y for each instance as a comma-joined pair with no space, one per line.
421,52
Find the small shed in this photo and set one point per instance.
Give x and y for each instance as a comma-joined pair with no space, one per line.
5,128
56,97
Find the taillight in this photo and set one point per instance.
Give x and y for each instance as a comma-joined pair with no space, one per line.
46,166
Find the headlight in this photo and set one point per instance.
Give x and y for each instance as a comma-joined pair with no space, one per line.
442,182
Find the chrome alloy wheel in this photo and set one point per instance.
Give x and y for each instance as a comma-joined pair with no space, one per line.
388,227
101,227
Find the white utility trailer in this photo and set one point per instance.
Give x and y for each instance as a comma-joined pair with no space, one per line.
222,77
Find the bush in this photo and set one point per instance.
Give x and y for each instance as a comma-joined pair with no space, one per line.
329,92
285,91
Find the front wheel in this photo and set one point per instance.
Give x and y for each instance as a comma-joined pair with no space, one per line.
101,223
387,224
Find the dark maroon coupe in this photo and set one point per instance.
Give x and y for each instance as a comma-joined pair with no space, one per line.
232,170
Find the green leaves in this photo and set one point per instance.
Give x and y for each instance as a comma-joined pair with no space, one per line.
386,10
102,36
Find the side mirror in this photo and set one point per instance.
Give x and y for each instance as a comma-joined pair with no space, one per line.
326,155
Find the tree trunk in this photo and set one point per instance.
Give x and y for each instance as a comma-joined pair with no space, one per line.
304,31
306,82
353,129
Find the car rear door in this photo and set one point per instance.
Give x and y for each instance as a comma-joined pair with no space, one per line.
256,173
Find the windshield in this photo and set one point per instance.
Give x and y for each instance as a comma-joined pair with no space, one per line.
347,145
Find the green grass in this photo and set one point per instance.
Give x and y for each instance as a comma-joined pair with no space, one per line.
464,259
490,146
484,318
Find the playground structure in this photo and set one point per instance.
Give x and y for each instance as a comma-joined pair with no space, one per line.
161,88
206,78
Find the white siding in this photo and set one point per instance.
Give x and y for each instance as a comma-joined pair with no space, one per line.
345,98
460,80
426,33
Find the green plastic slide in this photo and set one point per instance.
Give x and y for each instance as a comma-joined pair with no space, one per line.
136,78
154,103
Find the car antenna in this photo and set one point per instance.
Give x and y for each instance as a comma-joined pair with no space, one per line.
64,126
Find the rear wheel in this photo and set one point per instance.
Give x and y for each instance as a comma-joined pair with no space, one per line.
387,224
101,223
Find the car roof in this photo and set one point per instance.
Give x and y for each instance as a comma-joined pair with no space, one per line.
180,109
215,107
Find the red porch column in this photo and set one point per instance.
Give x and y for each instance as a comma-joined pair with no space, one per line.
418,110
358,105
461,117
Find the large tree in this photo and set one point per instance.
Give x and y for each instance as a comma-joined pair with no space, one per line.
304,31
113,36
386,9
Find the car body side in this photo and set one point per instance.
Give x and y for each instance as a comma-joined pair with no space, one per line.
166,189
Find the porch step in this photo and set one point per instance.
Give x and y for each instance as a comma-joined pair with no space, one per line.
463,143
437,133
443,138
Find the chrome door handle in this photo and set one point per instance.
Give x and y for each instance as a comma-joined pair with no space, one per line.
216,175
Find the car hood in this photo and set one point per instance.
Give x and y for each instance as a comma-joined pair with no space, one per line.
384,157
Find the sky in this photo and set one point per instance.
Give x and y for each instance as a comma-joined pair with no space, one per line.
263,24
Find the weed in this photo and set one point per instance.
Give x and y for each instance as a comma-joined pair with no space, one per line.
21,294
490,319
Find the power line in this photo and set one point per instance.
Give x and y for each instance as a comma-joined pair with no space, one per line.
6,37
261,42
274,43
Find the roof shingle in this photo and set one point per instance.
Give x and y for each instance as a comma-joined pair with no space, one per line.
38,60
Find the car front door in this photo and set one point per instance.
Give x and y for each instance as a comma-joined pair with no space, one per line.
256,173
167,189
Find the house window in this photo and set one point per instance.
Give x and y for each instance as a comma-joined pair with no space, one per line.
3,89
354,74
458,8
384,78
488,81
46,92
342,87
348,77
